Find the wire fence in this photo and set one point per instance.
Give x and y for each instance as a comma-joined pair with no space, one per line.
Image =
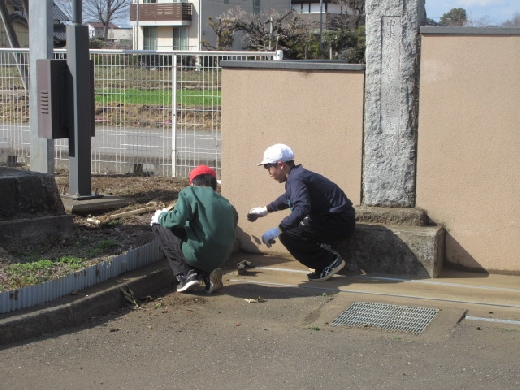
156,112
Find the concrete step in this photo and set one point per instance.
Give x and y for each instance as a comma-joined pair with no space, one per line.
392,216
395,241
417,251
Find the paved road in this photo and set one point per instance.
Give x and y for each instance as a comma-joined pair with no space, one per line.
285,341
200,144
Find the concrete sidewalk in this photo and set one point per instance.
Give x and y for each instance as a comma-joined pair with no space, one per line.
466,296
493,297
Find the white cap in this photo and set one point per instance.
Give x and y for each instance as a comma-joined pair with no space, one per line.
276,153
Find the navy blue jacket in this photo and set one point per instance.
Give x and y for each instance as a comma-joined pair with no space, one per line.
309,194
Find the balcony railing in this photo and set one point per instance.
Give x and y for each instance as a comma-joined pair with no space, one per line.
175,12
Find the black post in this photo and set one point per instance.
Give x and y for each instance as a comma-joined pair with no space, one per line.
76,12
81,113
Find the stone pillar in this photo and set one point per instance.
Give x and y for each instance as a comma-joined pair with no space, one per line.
391,101
41,47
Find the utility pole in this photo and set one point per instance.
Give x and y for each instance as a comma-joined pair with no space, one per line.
41,47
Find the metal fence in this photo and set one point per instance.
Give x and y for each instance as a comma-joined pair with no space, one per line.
156,112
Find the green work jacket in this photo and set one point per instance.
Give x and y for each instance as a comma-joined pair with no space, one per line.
209,220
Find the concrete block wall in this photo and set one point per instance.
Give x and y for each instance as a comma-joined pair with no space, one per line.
31,209
395,241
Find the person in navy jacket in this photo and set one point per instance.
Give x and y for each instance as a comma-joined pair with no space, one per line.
321,214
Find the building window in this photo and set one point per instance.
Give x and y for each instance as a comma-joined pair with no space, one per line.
149,38
226,1
256,7
149,1
180,38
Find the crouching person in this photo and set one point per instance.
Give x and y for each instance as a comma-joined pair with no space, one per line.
198,234
321,214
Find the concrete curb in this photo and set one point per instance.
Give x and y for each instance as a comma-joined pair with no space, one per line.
76,310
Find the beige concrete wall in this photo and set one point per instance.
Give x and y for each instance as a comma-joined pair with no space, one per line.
318,113
468,168
468,156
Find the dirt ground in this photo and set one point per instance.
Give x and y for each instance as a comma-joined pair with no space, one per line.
97,242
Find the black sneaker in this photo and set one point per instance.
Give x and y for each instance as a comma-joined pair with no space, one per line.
213,281
190,280
329,271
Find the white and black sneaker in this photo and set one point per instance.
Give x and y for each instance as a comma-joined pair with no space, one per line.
329,271
191,280
213,281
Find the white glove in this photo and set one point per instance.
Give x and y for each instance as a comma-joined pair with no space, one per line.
155,217
256,212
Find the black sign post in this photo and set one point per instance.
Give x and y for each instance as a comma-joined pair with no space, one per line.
81,110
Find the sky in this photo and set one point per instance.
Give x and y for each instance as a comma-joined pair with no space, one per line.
495,12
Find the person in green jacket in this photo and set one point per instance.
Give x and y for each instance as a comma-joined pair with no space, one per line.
198,234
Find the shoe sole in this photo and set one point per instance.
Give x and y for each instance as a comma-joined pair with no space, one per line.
332,272
215,281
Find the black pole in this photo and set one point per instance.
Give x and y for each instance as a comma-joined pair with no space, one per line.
76,12
81,112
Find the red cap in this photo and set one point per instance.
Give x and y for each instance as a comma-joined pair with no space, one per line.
202,170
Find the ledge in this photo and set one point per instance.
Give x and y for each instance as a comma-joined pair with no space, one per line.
452,30
293,65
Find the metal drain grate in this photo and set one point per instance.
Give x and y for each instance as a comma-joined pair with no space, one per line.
387,317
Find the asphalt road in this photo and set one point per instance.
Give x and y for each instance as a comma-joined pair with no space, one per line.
284,340
200,144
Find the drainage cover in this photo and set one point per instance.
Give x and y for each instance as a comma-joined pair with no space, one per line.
387,317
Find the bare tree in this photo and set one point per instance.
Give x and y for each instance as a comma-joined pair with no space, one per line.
514,22
224,28
104,11
271,30
352,15
484,21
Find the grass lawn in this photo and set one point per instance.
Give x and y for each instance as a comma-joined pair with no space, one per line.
158,96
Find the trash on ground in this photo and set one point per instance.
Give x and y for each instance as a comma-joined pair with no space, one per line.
257,300
243,265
